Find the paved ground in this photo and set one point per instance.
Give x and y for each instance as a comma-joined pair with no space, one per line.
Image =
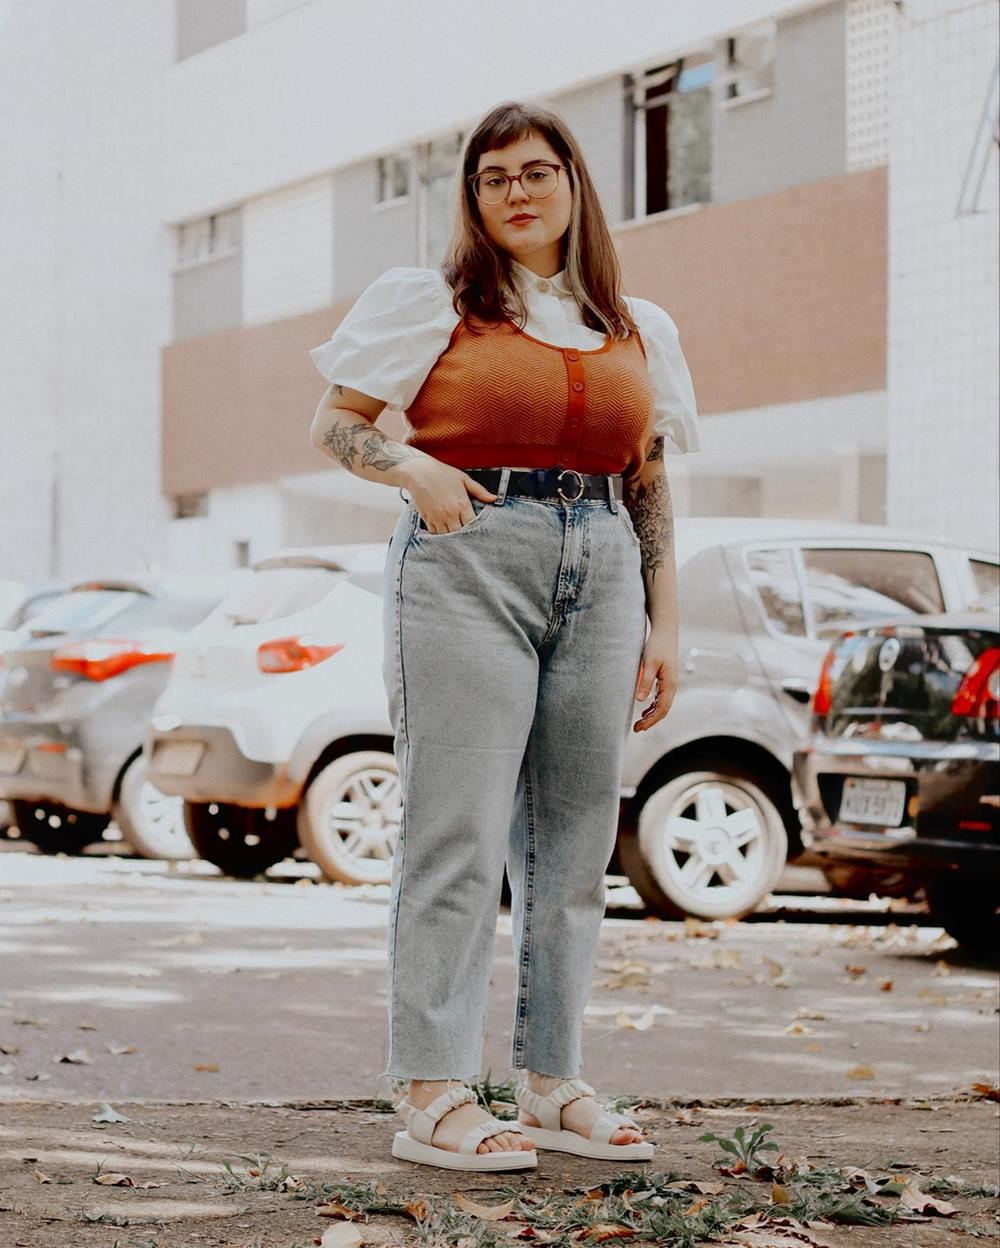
181,985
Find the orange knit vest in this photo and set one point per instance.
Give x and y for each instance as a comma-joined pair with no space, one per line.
504,397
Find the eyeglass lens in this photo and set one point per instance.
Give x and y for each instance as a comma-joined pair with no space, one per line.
538,182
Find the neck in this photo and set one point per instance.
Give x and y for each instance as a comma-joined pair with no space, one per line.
546,262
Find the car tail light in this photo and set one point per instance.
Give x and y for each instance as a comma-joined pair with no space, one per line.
821,698
293,654
979,693
100,658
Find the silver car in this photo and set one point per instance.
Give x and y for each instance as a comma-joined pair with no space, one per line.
707,818
78,682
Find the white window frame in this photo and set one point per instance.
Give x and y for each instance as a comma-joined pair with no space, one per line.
748,73
220,239
406,156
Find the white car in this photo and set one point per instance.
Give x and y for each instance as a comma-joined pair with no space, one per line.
274,725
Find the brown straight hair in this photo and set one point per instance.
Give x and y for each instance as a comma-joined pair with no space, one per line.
479,272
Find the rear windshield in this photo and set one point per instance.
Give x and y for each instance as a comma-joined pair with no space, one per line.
273,593
79,610
118,613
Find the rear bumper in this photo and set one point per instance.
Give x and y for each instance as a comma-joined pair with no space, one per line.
42,762
217,772
952,804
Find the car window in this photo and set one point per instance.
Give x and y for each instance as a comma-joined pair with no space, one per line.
844,585
35,606
274,593
987,575
777,584
79,610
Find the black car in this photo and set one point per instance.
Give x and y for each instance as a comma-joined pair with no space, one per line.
901,775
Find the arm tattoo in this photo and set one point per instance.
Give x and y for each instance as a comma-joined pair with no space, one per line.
656,451
651,508
343,440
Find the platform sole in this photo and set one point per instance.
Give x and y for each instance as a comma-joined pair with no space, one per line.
580,1146
407,1149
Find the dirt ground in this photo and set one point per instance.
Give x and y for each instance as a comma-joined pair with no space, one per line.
175,1157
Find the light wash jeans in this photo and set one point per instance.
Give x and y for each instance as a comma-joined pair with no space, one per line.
512,650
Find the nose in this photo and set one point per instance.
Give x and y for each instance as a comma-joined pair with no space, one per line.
516,194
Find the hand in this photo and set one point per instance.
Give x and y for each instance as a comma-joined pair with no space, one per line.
441,494
659,663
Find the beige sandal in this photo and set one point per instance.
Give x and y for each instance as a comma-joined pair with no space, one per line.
551,1134
414,1144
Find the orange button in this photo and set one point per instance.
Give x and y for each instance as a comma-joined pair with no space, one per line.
572,355
577,385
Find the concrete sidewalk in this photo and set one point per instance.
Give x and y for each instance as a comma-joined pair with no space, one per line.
244,1176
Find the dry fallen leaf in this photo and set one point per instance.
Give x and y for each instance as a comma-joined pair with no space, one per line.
988,1091
645,1020
489,1213
417,1210
885,985
210,1067
694,1207
10,1049
704,931
780,1195
334,1209
79,1057
119,1049
7,1068
86,1026
39,1177
861,1072
600,1232
814,1015
343,1235
814,1047
107,1114
913,1198
856,971
114,1180
799,1029
942,970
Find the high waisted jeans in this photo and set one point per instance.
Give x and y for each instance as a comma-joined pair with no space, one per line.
512,650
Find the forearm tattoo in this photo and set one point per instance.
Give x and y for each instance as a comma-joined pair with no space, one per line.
345,439
651,508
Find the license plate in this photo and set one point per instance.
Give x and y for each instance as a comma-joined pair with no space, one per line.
178,758
873,801
11,758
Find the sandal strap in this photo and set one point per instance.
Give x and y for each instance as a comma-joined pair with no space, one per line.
483,1130
420,1123
547,1107
608,1123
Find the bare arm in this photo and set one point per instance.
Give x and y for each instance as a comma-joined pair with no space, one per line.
344,429
647,497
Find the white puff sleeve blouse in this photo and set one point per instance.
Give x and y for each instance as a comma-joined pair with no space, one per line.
395,331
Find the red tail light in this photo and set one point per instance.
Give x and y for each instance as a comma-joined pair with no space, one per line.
293,654
100,658
821,698
979,693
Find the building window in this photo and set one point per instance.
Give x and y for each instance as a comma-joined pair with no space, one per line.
209,238
187,506
748,72
437,162
392,178
241,553
669,122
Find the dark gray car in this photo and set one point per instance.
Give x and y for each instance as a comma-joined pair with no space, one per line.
76,690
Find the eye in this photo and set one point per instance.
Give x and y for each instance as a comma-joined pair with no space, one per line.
493,179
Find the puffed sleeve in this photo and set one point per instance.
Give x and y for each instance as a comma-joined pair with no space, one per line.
676,410
390,338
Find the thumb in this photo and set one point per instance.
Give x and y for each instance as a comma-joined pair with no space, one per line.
644,684
478,490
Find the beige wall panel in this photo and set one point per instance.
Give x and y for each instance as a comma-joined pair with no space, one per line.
777,299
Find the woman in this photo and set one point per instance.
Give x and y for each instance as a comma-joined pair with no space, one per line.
537,537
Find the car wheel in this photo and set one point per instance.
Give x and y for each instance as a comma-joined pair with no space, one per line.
238,840
58,829
968,911
709,842
152,822
349,820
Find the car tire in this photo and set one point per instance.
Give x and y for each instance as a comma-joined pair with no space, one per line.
56,829
720,803
349,818
968,911
240,841
150,821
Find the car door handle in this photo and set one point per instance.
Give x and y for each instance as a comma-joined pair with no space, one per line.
797,688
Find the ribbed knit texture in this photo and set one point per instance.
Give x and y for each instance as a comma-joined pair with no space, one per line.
502,397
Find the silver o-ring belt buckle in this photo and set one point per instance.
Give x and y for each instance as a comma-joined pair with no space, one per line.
579,478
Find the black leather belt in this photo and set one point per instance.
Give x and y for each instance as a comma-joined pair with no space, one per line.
565,484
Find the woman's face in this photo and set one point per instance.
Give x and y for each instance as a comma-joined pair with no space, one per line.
535,241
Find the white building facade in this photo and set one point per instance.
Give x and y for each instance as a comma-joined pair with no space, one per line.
196,201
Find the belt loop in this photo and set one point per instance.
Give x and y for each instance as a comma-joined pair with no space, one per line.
612,498
404,494
502,488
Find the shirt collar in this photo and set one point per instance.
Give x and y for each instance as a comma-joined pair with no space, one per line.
527,279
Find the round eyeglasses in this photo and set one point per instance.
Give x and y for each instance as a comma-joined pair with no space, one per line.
540,180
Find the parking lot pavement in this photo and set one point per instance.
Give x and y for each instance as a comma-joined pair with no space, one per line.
125,980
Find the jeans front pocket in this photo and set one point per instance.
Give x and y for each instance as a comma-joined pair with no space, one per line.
478,506
627,522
